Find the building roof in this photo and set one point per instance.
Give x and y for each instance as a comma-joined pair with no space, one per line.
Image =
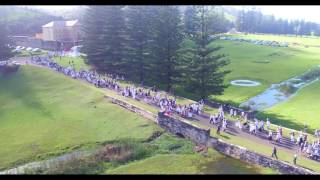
61,23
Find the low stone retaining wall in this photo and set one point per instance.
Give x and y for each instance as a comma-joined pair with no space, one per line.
243,154
202,136
184,129
144,113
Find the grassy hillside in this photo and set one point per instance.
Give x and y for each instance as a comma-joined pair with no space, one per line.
302,109
44,114
78,61
264,64
215,163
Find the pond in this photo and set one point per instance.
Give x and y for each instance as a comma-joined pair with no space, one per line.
281,92
243,82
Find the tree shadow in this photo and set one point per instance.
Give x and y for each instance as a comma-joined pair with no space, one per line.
281,120
17,86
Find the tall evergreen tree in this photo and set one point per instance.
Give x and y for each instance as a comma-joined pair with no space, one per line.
115,39
168,36
93,28
240,21
140,36
105,40
205,76
190,21
5,50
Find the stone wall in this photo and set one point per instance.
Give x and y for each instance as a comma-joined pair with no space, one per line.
144,113
202,136
184,129
243,154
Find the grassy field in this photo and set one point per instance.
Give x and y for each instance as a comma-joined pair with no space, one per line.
264,64
45,114
308,41
189,164
77,61
269,65
302,109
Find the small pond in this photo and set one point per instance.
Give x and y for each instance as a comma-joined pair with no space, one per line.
242,82
283,91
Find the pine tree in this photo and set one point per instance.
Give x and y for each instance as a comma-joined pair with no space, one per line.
105,40
93,44
168,36
204,75
139,46
115,39
190,21
5,50
240,21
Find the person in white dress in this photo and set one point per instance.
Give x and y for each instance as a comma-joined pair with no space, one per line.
268,123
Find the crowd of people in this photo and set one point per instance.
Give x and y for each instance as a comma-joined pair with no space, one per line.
169,105
150,96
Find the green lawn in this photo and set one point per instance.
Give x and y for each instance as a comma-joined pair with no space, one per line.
264,64
309,41
44,114
302,109
215,163
78,61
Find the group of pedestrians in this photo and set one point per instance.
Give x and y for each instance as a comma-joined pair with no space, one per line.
169,105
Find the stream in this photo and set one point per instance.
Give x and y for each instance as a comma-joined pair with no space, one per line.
281,92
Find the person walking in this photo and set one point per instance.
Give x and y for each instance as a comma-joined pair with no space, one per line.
274,152
219,129
295,159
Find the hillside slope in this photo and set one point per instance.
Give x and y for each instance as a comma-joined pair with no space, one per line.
43,113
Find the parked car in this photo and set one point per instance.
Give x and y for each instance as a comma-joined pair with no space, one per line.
29,49
36,50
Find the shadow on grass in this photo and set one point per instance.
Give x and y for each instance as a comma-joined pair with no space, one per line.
18,85
223,136
282,121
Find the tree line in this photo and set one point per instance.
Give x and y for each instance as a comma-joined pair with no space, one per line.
25,21
157,45
253,21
